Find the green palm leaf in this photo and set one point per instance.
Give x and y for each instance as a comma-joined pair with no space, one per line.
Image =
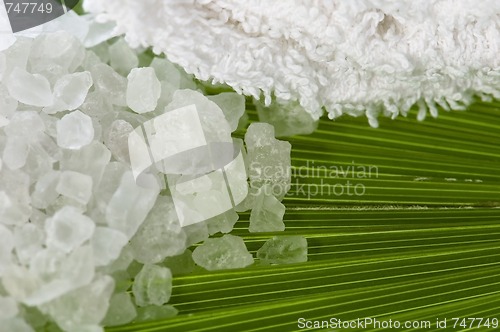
423,242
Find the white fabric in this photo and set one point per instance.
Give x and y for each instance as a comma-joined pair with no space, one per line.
355,56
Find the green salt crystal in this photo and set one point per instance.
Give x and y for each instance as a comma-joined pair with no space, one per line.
284,250
288,118
268,161
196,233
267,213
122,58
233,106
166,71
227,252
121,310
123,280
223,223
153,285
160,235
154,313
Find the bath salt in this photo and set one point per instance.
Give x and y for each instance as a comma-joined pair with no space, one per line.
283,250
147,292
143,90
74,131
227,252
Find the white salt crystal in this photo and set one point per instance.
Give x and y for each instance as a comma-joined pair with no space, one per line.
37,218
233,106
96,105
121,310
6,247
160,235
284,250
70,92
71,22
19,282
116,139
166,96
29,89
84,306
121,263
214,123
17,55
143,90
13,212
50,123
26,125
267,213
110,84
45,190
91,160
56,54
122,58
60,273
75,185
227,252
107,245
15,208
29,239
38,162
8,105
3,121
111,178
8,308
99,32
74,131
68,229
3,65
152,293
129,205
92,59
15,153
6,241
63,201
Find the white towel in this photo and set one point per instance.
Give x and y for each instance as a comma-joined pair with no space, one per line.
352,56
